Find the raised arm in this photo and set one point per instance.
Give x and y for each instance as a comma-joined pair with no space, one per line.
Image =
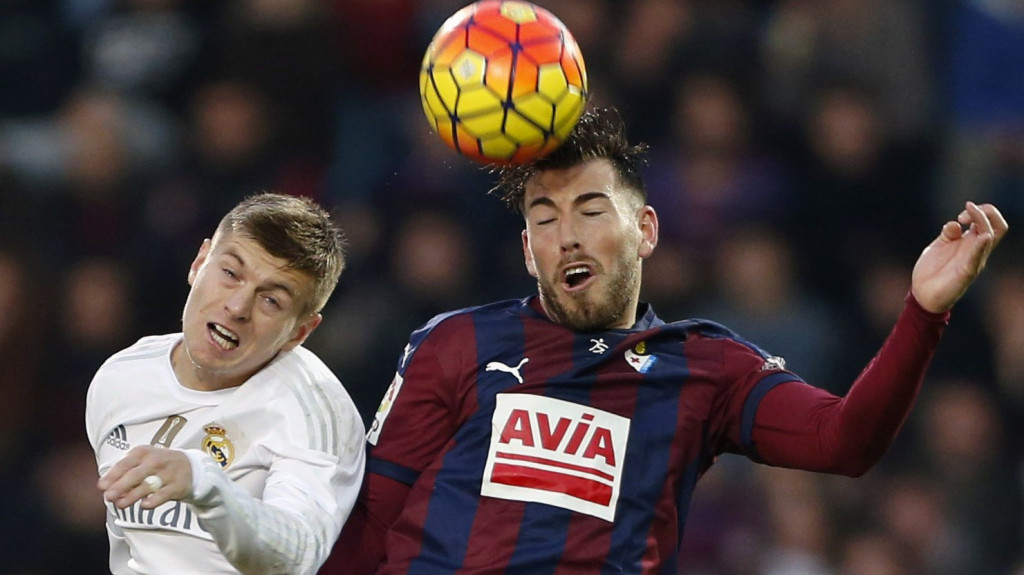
805,427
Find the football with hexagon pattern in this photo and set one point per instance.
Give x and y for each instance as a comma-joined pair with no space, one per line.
503,82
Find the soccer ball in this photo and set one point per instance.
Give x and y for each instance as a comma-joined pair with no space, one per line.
503,82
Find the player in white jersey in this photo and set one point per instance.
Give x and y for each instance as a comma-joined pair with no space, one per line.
228,447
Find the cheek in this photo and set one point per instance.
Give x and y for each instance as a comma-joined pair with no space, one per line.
544,261
277,333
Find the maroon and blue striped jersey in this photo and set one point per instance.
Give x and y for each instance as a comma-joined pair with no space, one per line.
530,446
508,443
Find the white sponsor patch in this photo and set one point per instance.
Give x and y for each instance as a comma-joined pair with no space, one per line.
556,452
384,409
170,516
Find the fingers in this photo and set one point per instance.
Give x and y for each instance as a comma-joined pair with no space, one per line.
145,473
984,219
128,488
996,219
952,231
988,225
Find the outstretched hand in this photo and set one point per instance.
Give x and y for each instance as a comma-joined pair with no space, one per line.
948,266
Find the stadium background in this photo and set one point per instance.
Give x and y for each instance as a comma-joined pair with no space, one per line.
803,152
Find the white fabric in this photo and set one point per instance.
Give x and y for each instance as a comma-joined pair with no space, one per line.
294,444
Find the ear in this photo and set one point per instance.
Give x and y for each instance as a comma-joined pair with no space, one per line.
302,330
531,266
204,252
648,232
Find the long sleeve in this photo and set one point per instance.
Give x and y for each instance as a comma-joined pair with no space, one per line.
290,531
804,427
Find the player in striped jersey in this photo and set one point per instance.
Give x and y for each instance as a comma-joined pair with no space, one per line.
564,433
230,448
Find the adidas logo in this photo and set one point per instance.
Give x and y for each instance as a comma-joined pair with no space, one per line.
119,438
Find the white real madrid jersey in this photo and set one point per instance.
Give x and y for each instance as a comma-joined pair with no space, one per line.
277,462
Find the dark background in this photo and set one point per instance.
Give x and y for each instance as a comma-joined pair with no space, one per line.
803,153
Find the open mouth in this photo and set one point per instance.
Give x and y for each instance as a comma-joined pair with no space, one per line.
576,277
224,337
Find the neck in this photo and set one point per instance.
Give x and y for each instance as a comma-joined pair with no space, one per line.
192,376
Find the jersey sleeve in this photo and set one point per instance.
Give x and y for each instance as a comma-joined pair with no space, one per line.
804,427
420,411
743,374
308,496
417,418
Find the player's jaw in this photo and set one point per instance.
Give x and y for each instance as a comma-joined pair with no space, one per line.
224,352
586,296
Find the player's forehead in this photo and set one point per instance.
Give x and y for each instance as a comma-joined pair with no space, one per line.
593,177
247,253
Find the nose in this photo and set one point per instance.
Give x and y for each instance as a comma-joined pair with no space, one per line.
239,304
568,236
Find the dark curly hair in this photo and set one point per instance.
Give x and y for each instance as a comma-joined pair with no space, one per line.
600,133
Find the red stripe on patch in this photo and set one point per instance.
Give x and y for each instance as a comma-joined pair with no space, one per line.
553,463
530,477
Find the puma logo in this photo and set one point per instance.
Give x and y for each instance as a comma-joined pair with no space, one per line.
498,366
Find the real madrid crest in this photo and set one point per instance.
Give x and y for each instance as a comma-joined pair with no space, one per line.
217,445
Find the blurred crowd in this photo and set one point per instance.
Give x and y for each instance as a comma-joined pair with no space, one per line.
803,153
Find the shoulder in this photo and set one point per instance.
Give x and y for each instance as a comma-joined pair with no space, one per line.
308,394
301,378
458,326
458,330
142,352
299,369
497,311
123,380
710,339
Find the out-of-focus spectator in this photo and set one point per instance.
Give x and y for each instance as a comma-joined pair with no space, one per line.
126,126
983,78
149,50
286,49
23,326
95,318
911,508
855,186
967,456
758,294
1003,321
799,524
660,41
65,532
873,552
876,43
713,177
39,58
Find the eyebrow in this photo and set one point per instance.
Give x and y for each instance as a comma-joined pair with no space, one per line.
273,286
580,199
